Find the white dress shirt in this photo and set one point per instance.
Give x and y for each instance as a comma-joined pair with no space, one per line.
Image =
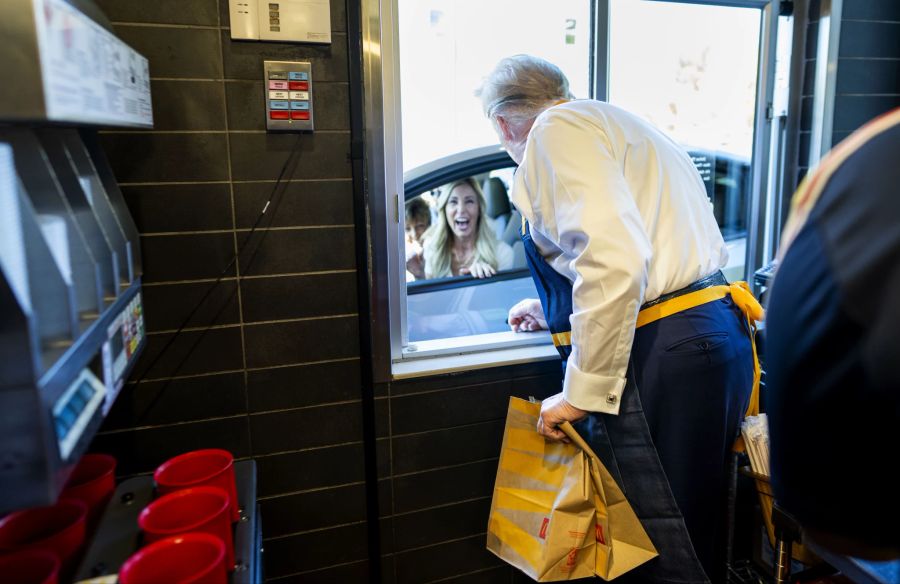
619,209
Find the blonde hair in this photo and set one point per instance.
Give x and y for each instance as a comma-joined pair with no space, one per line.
439,237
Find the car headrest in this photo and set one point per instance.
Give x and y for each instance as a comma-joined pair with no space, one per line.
496,198
513,231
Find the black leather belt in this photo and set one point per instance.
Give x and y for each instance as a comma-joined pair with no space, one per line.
717,278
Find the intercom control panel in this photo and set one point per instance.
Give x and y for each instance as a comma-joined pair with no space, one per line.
289,104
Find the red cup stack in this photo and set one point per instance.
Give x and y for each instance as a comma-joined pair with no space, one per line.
58,529
30,567
193,558
199,509
93,482
200,468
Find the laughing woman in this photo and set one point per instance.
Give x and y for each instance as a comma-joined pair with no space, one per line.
460,243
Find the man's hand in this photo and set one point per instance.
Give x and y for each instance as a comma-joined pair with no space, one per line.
527,315
554,411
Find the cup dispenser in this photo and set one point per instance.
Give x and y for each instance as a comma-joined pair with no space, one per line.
71,313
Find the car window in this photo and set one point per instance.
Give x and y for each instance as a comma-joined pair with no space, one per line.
726,177
443,302
452,228
448,309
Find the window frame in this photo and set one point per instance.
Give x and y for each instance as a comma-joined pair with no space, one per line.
385,188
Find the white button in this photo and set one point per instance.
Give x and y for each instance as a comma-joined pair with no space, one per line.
302,95
278,95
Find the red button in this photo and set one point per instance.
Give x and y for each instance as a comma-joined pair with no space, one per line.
278,114
301,115
299,85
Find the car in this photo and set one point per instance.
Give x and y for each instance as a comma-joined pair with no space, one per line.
463,306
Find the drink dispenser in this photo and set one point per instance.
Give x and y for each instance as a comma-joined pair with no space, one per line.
71,313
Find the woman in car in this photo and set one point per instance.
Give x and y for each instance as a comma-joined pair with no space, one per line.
461,242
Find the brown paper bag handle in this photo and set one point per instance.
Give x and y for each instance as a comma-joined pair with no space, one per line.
572,435
576,439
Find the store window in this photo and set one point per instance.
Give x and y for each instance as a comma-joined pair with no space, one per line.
699,88
446,48
699,71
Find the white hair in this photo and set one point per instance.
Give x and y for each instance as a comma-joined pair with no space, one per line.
521,87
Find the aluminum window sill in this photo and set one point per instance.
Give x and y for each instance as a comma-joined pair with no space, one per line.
435,357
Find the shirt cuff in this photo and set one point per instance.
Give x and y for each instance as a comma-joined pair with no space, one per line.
591,392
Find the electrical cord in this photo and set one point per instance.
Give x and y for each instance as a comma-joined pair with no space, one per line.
291,162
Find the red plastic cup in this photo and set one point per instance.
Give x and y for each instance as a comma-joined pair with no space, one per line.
93,482
30,567
199,468
58,529
201,509
193,558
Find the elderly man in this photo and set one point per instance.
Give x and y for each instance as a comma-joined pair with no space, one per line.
626,256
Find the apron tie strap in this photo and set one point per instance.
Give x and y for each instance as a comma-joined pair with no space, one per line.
743,299
753,311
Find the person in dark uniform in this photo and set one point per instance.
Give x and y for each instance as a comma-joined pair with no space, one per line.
832,356
626,256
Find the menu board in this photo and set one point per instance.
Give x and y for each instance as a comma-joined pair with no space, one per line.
706,166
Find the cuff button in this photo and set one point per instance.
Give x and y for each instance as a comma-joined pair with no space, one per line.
611,398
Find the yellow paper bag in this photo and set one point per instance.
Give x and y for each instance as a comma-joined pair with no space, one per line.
557,514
